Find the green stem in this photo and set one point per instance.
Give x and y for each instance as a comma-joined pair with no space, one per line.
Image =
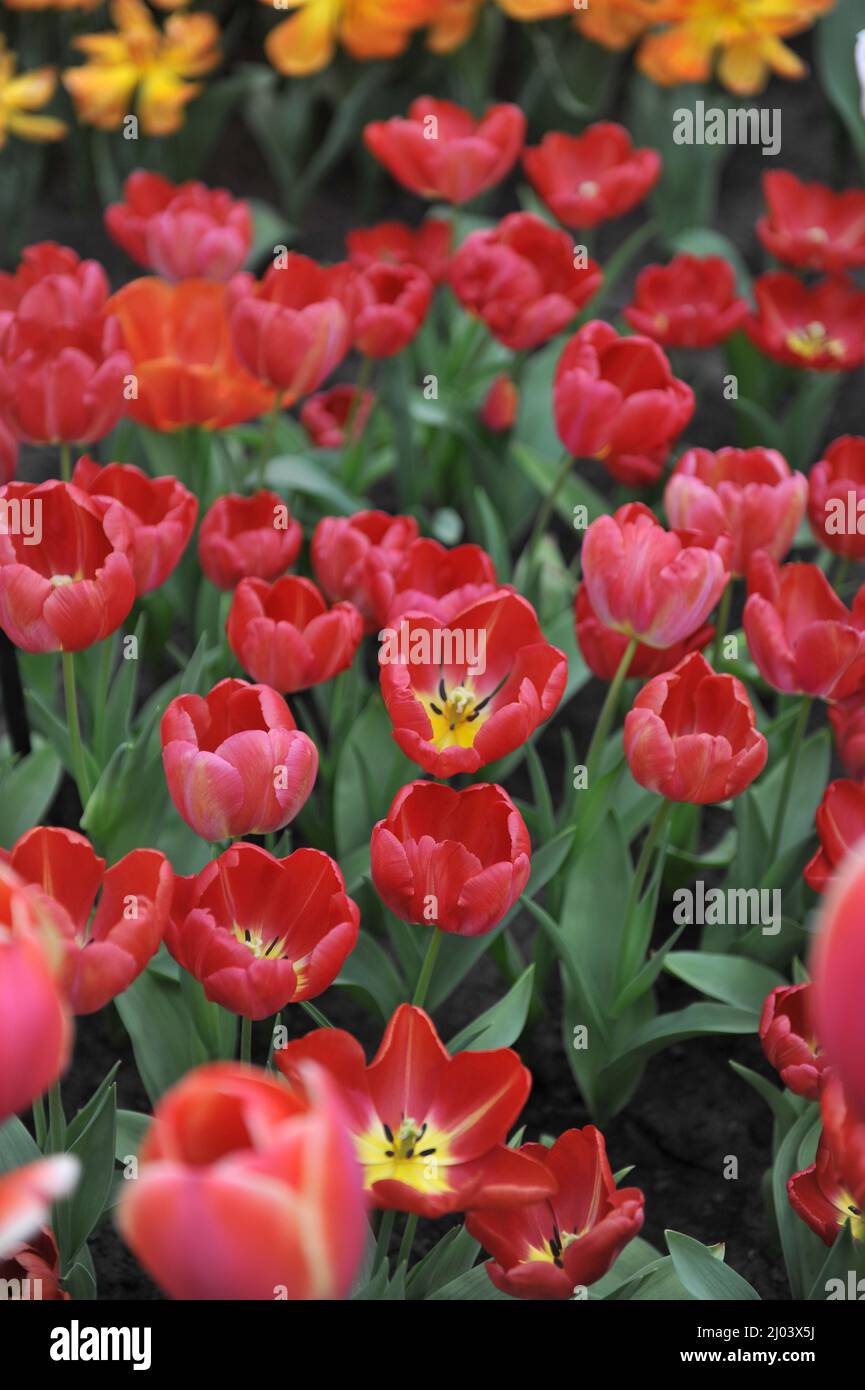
246,1040
39,1122
79,761
635,891
267,437
607,714
723,620
426,971
545,510
65,462
56,1120
355,449
407,1241
382,1244
789,775
315,1014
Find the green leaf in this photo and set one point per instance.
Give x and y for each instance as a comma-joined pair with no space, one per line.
778,1101
835,45
542,471
312,480
370,969
803,1250
17,1146
94,1147
501,1025
450,1258
131,1129
703,1275
846,1256
474,1286
695,1021
27,790
164,1038
731,979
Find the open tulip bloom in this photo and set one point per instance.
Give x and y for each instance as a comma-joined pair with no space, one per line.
432,659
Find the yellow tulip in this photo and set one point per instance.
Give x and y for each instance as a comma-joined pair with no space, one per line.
22,94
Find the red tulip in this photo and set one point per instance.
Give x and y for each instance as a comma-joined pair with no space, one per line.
27,1194
840,826
181,231
569,1240
810,227
247,1190
647,582
836,497
388,306
616,399
327,416
440,151
691,735
820,1197
844,1127
349,553
247,538
8,452
433,579
69,583
800,634
427,246
838,968
39,260
603,647
458,860
520,278
234,761
589,178
429,1129
285,636
291,329
820,328
35,1027
102,952
750,495
789,1039
261,933
464,694
161,515
35,1265
186,370
848,726
502,404
690,303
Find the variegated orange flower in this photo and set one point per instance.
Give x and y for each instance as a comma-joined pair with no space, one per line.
741,39
21,95
142,67
307,41
454,20
616,24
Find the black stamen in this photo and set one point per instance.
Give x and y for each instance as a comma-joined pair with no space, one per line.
443,690
388,1133
435,709
388,1153
247,936
425,1153
410,1152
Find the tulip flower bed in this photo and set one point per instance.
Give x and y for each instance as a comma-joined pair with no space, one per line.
432,831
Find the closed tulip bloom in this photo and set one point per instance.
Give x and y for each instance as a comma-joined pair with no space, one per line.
462,694
840,826
458,860
789,1039
75,585
603,648
247,1190
35,1026
838,969
848,727
261,933
571,1239
285,635
692,735
844,1127
181,231
27,1195
616,399
434,579
647,582
337,417
820,1196
501,405
836,497
750,495
810,227
820,328
521,280
427,246
35,1265
235,762
247,538
440,151
801,636
105,949
429,1129
39,259
161,515
587,179
186,370
389,304
291,329
349,553
690,303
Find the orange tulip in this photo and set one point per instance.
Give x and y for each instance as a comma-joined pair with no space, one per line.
21,95
307,41
183,361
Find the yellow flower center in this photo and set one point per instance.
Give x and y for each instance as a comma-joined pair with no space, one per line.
813,341
455,715
414,1154
848,1211
272,947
